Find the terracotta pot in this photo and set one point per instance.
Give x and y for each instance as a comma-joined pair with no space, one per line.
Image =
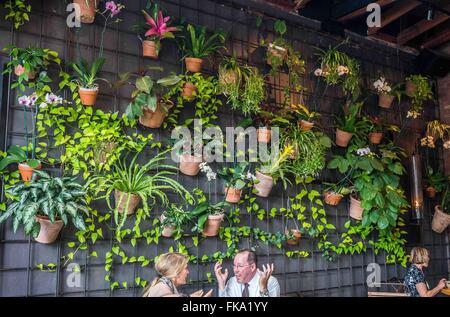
149,49
190,164
122,197
410,88
233,195
332,198
385,101
49,231
167,231
276,51
356,211
375,137
19,70
194,65
188,90
441,220
88,8
431,192
26,171
88,96
264,186
212,225
343,138
155,119
264,135
228,77
306,125
296,234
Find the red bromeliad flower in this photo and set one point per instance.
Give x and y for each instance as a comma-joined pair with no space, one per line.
159,28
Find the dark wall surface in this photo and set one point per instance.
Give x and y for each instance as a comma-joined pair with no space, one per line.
312,276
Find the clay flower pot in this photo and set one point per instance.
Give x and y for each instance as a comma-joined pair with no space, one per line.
122,197
88,8
212,225
155,119
167,231
49,231
441,220
188,90
149,49
264,186
332,198
431,192
190,164
375,137
410,88
88,96
233,195
306,125
385,101
297,236
356,211
194,65
264,135
276,51
19,70
343,138
26,171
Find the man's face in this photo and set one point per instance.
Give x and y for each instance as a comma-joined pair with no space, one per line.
243,270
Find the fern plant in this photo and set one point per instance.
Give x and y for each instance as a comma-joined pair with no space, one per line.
149,181
54,197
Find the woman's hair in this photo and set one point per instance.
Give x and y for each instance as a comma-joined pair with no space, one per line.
168,265
419,255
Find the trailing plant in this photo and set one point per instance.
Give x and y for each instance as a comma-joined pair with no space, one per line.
54,197
196,42
133,178
18,11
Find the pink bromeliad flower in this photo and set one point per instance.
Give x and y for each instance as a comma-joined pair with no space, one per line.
159,28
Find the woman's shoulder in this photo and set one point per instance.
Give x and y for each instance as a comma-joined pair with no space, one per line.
159,290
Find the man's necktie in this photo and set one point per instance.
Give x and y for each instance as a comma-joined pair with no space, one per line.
245,292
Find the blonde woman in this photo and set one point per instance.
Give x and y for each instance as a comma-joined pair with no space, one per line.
415,283
172,269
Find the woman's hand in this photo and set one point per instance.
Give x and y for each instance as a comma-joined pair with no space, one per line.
442,283
200,293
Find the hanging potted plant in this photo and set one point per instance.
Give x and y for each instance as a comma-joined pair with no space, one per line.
437,182
384,90
52,203
191,157
355,211
88,8
235,180
159,30
419,89
271,170
209,217
132,183
304,116
26,63
172,221
348,124
293,236
263,120
441,217
86,76
149,102
277,50
334,193
19,155
375,127
196,46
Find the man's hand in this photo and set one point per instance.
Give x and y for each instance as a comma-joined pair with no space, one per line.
221,277
266,273
442,283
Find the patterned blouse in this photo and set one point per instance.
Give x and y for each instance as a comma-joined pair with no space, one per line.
413,277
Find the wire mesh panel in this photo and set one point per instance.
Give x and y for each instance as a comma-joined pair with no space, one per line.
311,276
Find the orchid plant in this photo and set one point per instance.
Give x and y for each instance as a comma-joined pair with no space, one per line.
382,86
159,27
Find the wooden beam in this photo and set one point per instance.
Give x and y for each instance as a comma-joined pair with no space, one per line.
385,37
361,11
421,27
394,13
437,40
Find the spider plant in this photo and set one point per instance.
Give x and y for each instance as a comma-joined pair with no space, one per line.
197,44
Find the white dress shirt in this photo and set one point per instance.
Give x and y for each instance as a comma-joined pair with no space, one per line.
234,289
